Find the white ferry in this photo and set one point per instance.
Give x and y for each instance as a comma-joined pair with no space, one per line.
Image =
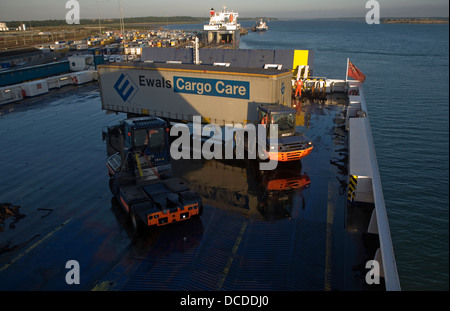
223,20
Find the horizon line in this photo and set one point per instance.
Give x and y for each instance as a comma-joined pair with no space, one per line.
242,18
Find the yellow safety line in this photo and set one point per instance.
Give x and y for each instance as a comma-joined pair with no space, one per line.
233,254
352,188
29,249
103,286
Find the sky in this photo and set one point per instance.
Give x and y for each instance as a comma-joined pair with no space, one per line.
25,10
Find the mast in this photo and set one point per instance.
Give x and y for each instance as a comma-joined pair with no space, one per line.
346,71
99,25
122,27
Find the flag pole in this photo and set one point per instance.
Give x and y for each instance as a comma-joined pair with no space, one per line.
346,71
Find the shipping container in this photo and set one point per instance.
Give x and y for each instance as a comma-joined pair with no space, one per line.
221,95
35,88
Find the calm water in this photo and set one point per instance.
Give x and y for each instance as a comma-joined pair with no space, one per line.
407,92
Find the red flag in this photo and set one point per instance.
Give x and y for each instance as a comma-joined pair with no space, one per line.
354,73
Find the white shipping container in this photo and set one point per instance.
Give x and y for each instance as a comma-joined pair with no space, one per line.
82,77
35,88
65,79
10,94
53,83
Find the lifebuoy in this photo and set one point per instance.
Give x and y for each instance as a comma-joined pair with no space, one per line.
75,80
24,94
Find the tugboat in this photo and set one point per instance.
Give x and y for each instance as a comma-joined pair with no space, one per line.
260,27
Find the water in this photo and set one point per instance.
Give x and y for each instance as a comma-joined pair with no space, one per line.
407,93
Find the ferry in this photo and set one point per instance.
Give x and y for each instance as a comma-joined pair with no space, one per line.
223,20
223,27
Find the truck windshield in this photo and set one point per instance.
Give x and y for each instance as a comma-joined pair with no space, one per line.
285,121
153,138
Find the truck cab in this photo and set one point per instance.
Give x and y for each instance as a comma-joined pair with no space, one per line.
148,136
141,143
141,174
291,145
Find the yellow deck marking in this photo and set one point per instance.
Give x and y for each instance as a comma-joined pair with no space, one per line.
29,249
233,254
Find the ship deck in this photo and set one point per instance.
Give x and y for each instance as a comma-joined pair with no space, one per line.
283,230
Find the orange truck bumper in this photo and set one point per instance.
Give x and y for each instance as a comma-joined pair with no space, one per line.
290,155
161,219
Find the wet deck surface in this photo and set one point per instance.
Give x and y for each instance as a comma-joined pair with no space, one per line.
252,235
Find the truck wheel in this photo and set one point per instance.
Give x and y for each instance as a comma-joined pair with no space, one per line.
111,186
136,222
200,210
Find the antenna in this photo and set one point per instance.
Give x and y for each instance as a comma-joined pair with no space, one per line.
122,26
99,25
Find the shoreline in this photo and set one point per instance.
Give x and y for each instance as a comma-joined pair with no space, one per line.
417,20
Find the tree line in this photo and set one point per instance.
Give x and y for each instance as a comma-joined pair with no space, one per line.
148,19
